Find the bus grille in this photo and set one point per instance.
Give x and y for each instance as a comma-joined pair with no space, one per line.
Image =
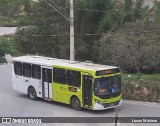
111,104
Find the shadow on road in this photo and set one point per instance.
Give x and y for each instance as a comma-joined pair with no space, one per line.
55,104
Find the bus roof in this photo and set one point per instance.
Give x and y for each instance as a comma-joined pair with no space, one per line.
47,61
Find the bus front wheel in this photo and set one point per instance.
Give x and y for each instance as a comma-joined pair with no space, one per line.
32,93
75,103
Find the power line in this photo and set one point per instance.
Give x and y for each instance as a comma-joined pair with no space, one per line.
92,10
56,5
89,10
98,34
102,34
57,10
54,35
103,11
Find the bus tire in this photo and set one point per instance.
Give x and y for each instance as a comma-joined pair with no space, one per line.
32,93
75,103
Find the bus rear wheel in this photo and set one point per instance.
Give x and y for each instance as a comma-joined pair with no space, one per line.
32,93
75,103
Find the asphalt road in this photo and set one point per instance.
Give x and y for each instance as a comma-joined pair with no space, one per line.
16,104
7,30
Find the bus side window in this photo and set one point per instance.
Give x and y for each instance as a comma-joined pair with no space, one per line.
59,75
27,70
47,75
18,68
73,78
36,71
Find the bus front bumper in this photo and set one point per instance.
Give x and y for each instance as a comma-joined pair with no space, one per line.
98,106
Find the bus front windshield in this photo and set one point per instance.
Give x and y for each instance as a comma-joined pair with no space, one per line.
107,85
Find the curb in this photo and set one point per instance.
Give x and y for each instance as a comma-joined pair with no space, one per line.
154,104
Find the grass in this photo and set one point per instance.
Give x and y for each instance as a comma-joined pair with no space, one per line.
14,21
145,77
8,22
10,44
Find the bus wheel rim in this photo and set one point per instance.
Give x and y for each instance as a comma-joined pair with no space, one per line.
32,94
76,103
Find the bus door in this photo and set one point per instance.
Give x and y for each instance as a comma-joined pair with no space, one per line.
47,83
87,91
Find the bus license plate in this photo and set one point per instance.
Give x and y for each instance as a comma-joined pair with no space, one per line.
112,104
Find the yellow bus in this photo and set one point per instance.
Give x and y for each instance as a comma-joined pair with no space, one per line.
79,84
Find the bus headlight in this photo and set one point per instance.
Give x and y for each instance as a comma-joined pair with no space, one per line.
99,102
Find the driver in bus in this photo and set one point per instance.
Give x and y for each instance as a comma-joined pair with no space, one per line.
102,87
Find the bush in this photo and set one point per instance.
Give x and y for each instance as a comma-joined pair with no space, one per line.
141,90
8,22
132,48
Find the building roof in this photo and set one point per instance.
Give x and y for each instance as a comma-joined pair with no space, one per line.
47,61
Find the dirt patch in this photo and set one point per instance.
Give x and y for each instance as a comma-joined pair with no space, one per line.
142,91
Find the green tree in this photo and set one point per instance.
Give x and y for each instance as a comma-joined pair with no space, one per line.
155,11
2,53
43,23
120,13
135,47
4,49
9,8
91,16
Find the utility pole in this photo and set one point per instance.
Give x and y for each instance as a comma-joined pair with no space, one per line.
72,51
116,116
